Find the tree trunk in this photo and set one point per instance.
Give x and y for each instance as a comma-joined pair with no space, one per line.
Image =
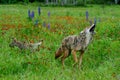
47,1
56,2
65,1
73,2
62,2
116,1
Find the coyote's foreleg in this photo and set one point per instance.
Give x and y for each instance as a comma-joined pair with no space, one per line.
74,57
80,58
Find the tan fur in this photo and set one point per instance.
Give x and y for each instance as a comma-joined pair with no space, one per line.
25,46
74,43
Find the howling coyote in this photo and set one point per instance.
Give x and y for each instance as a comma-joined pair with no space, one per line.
22,45
74,43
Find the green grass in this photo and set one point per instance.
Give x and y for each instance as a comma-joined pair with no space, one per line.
101,60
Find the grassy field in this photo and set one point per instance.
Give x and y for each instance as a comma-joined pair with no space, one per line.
101,60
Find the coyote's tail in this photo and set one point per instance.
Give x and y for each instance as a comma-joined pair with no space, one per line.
58,53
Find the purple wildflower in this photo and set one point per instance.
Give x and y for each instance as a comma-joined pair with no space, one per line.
39,11
44,24
49,14
32,14
87,15
48,25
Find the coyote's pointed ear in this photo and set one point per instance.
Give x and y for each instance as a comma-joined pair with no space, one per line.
14,39
92,28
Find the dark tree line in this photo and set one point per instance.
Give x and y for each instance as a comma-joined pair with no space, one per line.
59,2
17,1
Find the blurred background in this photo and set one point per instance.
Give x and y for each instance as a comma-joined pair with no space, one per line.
61,2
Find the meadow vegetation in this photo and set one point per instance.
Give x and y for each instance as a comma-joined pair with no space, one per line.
101,60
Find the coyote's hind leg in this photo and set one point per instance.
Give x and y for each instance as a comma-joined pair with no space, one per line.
65,54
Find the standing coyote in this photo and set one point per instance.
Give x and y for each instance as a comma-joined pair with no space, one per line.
74,43
22,45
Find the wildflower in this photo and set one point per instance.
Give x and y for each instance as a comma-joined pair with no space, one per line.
87,15
48,25
44,24
49,14
39,11
32,14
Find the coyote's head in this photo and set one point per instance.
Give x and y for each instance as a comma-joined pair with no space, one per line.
88,33
17,43
13,43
